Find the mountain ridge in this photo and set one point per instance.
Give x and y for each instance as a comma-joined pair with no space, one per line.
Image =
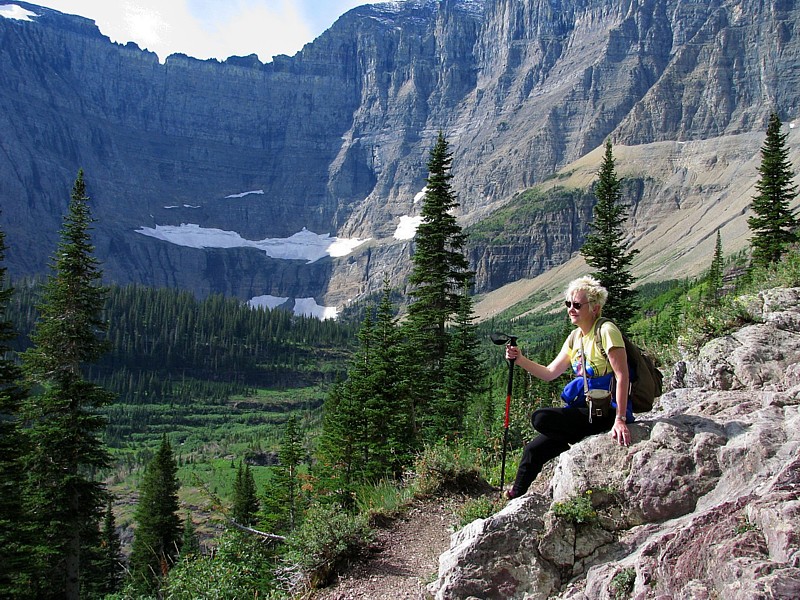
337,137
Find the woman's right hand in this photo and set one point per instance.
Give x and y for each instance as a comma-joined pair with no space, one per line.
512,353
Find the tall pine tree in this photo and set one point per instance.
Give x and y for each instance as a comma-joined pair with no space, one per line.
245,497
338,464
774,225
16,568
440,271
714,277
464,371
291,457
158,527
390,418
110,571
63,425
605,247
367,425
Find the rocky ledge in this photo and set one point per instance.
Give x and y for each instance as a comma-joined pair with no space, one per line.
705,503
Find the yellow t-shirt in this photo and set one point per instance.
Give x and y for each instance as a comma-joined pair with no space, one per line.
597,364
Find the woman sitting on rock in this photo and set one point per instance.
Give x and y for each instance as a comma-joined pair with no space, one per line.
606,367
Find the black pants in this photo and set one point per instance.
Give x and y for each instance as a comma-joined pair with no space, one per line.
558,428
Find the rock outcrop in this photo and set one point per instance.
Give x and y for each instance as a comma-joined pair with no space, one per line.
705,503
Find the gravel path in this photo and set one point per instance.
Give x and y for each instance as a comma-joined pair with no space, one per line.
405,557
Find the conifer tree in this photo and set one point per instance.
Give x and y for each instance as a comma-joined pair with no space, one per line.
464,371
337,466
605,247
367,423
62,422
344,448
400,419
774,225
291,456
274,514
388,432
16,568
158,527
714,277
245,497
109,562
190,543
440,271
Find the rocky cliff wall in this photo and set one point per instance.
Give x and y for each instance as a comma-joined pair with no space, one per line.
336,138
705,503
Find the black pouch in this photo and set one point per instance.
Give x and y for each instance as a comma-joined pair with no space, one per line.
599,403
598,400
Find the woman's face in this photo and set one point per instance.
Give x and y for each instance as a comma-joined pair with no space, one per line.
581,313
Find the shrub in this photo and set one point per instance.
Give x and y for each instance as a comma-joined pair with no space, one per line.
326,540
622,583
577,510
448,467
744,525
241,567
383,499
478,508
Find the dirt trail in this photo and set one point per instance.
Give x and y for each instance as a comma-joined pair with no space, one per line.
405,556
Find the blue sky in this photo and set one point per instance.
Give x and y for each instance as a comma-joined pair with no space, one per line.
210,28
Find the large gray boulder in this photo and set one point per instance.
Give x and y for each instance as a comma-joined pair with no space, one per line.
705,503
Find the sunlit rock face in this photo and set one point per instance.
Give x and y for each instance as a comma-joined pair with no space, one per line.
334,140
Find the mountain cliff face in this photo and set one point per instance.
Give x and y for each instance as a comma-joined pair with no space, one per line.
294,179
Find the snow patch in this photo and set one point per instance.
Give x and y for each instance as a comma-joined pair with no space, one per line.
17,13
267,301
407,228
304,245
421,194
243,194
308,307
303,307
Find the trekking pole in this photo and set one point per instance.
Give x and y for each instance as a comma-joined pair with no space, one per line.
506,340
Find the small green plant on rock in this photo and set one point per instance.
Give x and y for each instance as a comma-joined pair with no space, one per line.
577,510
622,583
477,508
743,526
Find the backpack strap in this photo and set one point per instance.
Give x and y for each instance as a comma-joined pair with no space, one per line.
596,331
571,338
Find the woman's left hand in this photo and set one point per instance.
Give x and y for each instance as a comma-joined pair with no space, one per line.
621,433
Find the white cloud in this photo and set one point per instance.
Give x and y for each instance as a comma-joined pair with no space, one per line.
210,29
148,25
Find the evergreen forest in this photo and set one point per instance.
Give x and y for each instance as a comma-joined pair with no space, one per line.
177,364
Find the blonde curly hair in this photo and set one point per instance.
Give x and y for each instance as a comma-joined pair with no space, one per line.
595,293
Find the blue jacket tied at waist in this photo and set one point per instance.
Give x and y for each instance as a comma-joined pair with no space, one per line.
573,394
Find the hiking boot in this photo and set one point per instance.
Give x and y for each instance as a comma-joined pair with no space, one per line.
510,494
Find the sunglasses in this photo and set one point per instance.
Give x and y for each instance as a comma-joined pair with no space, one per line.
575,305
